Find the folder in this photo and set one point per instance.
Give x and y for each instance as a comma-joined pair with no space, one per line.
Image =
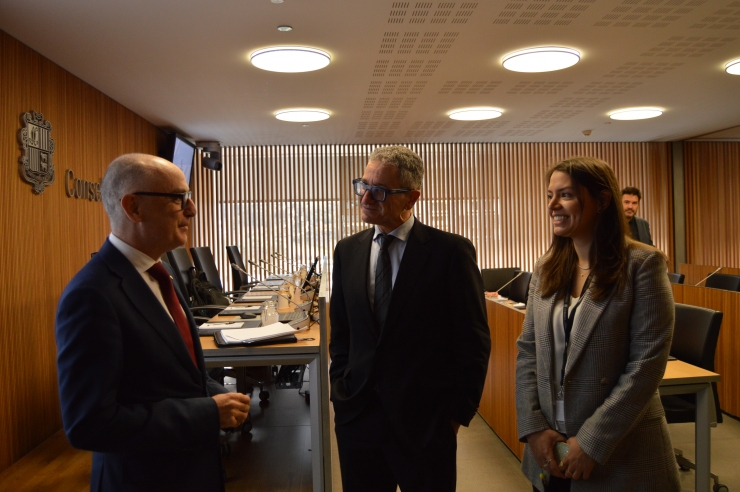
274,333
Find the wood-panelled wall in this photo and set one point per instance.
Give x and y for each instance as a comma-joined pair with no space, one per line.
712,171
298,201
47,238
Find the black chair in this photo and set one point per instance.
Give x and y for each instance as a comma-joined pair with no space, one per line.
495,278
695,335
724,282
240,280
206,263
676,278
519,288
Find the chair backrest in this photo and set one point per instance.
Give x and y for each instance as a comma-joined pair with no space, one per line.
204,262
695,336
180,261
494,278
676,278
519,288
724,282
239,278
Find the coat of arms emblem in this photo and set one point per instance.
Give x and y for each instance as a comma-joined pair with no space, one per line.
38,148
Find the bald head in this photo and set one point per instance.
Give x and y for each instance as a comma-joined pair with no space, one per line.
127,174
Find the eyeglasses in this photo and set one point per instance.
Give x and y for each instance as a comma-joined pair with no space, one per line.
376,192
184,196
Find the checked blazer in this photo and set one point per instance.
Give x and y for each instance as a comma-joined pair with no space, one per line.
619,350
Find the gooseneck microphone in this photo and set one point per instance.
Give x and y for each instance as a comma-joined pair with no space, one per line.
705,278
275,267
271,272
271,288
510,281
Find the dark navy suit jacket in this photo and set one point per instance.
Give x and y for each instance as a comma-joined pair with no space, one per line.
430,361
129,390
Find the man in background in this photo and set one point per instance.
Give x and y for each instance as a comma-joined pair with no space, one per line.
132,380
409,337
640,228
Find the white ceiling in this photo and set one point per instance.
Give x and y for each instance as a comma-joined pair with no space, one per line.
398,67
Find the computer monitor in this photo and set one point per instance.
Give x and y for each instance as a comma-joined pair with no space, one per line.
181,153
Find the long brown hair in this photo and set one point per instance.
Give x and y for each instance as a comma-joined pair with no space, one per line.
609,249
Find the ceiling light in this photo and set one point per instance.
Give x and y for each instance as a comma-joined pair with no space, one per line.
733,67
542,59
284,28
475,114
290,59
635,113
302,115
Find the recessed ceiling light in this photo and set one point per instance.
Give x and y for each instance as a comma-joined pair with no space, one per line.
284,28
290,59
733,67
635,113
277,1
302,115
542,59
475,114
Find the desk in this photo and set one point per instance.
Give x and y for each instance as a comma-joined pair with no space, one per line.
498,404
314,353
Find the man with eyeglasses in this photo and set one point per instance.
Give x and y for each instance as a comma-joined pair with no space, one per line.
132,381
409,337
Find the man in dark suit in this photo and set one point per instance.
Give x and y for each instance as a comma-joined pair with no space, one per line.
640,228
132,380
409,337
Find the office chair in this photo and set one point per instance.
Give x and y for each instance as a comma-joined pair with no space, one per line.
676,278
204,262
494,278
240,279
695,337
519,288
181,264
724,282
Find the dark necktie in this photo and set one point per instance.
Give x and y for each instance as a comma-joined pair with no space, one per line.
160,274
383,281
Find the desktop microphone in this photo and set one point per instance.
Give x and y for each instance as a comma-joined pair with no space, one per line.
282,257
271,288
510,281
705,278
271,272
275,267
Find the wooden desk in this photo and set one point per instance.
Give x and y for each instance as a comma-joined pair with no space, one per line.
498,404
728,344
313,352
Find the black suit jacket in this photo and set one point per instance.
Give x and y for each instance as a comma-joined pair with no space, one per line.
430,361
643,231
128,387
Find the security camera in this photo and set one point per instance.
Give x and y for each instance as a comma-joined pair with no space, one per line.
211,155
587,132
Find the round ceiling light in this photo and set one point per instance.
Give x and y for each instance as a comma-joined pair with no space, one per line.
302,115
733,67
475,114
635,113
290,59
542,59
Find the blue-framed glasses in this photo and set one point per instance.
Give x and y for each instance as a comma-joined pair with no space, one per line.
377,193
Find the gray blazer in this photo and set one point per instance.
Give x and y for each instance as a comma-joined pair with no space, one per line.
619,350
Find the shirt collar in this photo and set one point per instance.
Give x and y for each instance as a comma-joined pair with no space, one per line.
401,232
141,261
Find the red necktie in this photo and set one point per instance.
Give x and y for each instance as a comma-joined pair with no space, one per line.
159,272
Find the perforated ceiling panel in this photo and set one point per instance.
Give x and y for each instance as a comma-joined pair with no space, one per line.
469,87
541,12
687,46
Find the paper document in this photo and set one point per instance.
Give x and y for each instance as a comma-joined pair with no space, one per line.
240,309
249,335
221,325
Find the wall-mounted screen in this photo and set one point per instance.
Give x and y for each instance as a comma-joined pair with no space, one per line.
182,154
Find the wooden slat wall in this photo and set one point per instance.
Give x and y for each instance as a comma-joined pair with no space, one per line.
47,238
297,200
712,171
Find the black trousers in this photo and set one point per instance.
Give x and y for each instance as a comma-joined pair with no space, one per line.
556,485
373,459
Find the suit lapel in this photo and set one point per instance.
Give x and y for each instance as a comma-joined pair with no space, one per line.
590,313
144,301
414,261
543,317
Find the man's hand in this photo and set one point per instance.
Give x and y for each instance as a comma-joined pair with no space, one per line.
233,409
542,446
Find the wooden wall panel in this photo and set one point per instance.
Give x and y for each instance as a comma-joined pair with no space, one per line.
297,200
47,238
712,176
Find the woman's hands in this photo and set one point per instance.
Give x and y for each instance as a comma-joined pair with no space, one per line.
576,464
542,445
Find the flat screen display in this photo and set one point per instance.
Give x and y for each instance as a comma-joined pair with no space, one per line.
183,154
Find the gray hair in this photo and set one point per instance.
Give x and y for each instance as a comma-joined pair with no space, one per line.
409,164
126,174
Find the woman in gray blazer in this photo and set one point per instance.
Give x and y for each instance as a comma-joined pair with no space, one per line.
594,346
